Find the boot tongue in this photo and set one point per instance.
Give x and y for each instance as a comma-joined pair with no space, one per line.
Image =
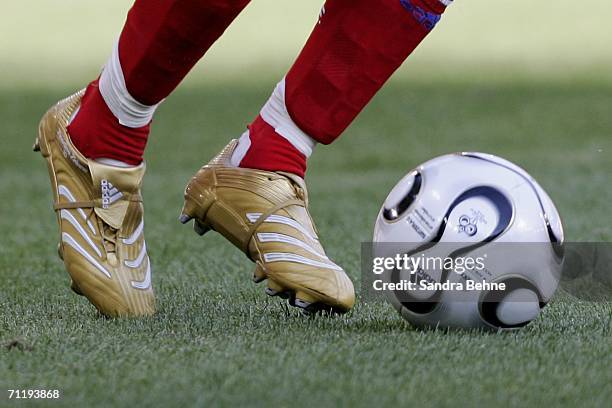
114,186
298,212
297,181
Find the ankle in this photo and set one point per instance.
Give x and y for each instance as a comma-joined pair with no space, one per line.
97,133
266,150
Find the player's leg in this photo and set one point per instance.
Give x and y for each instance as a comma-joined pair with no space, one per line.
94,141
160,42
353,50
253,192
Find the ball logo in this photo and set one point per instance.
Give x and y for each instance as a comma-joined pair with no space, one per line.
467,225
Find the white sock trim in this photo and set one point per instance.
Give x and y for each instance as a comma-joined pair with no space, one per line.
446,2
244,143
276,115
76,111
126,109
113,162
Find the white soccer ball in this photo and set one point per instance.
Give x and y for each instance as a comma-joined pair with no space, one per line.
466,206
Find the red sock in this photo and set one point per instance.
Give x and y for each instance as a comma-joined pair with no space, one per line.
354,49
160,42
272,152
96,132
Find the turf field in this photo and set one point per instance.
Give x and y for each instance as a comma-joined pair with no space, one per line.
218,339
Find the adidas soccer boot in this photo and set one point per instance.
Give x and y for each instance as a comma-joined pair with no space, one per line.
265,215
100,215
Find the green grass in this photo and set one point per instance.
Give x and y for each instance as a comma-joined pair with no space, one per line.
218,340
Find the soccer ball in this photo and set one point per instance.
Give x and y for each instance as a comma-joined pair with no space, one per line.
474,242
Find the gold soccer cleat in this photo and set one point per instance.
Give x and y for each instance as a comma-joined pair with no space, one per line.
100,215
265,215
